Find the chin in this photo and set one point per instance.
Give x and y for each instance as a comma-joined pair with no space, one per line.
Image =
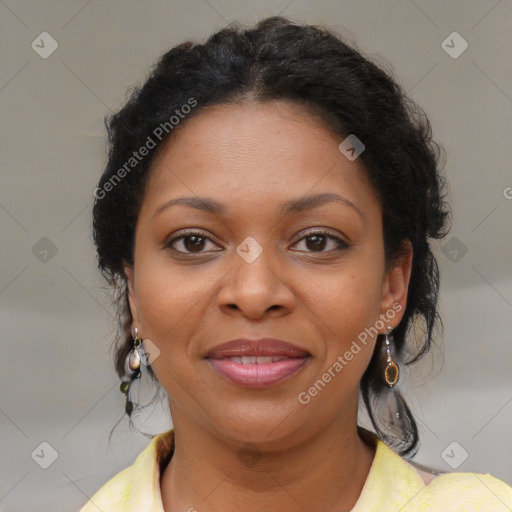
268,425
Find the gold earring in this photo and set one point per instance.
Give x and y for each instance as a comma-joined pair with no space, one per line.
391,370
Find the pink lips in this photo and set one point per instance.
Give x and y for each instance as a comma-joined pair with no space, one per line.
257,363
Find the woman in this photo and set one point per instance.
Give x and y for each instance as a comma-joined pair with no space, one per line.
265,215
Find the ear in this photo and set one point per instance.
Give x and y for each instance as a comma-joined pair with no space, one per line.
396,284
128,270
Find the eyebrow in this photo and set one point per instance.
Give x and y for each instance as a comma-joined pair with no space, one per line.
290,207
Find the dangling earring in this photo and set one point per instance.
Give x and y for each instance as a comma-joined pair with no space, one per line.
391,371
132,369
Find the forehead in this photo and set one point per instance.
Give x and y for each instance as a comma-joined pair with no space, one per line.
249,150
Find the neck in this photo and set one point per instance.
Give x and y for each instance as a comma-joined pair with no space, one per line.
325,471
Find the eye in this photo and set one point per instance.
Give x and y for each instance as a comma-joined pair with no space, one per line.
318,241
192,241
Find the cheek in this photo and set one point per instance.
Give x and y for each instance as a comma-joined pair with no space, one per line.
165,300
168,305
349,297
347,310
174,305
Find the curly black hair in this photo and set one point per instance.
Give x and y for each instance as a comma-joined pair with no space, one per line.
316,68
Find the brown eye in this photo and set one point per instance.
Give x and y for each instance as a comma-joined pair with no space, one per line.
189,243
318,241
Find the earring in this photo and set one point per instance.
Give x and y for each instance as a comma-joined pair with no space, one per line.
391,370
132,369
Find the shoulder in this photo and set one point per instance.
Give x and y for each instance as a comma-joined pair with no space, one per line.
113,495
468,492
395,483
137,486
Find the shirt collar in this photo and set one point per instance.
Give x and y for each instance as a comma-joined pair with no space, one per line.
391,481
145,485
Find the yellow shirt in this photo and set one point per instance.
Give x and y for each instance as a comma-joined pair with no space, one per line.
392,485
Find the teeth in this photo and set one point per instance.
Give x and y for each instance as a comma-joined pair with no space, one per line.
264,359
256,359
278,358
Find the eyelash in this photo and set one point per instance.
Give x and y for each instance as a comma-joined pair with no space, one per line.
188,233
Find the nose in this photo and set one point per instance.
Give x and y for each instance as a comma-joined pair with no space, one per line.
255,287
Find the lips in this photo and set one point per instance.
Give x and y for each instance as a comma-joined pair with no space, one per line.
261,347
257,363
256,359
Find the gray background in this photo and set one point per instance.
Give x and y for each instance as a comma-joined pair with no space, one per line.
57,381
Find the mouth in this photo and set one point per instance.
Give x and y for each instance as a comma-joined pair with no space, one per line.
257,363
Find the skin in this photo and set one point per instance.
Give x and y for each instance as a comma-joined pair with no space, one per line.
251,157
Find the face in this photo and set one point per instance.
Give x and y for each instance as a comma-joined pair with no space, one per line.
267,263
